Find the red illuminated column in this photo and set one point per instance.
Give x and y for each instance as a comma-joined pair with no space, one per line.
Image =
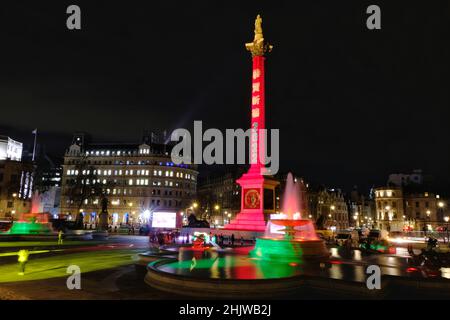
257,114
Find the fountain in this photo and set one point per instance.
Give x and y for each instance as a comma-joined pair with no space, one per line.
288,236
33,223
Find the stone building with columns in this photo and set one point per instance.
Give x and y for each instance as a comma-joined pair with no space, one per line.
139,180
400,209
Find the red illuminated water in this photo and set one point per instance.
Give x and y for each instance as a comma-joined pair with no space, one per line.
292,215
291,198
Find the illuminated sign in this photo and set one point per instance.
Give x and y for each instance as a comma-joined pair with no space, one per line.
164,219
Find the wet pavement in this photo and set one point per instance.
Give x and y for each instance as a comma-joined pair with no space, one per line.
343,264
108,270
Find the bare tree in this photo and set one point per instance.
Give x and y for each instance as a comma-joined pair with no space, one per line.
85,187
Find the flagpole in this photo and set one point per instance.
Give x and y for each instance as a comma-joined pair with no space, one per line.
34,147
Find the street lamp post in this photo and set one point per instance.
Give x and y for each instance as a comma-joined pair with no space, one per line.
428,219
217,207
13,211
446,227
332,215
387,208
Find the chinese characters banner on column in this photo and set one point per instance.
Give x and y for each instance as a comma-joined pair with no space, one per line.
257,122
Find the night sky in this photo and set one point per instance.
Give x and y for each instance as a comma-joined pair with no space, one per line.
352,105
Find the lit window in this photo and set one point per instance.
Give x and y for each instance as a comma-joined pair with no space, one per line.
130,182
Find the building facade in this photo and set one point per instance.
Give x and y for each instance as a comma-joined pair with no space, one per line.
390,208
10,149
219,197
140,182
329,208
16,185
400,210
362,211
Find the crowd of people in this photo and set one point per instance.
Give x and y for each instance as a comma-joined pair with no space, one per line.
161,238
175,237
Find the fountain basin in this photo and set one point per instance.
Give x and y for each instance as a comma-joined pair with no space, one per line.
294,250
184,284
290,222
29,228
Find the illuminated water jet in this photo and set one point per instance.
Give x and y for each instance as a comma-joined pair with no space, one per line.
288,237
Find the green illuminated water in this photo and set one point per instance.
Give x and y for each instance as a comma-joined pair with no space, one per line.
232,267
29,228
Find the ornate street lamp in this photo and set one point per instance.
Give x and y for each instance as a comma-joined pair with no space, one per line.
428,212
446,218
387,208
216,208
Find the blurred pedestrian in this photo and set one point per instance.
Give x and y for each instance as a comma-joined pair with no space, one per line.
23,259
60,237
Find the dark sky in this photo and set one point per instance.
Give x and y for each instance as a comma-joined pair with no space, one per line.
352,105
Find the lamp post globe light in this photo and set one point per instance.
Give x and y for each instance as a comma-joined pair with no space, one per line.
446,218
216,209
428,213
389,218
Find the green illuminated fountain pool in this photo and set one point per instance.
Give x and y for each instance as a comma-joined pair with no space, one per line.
29,228
289,248
34,223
